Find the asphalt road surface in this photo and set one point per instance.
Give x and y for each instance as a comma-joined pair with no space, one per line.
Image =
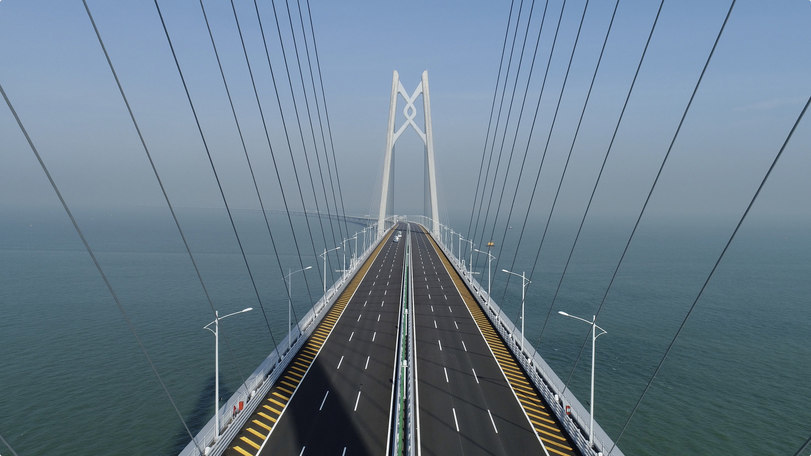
336,396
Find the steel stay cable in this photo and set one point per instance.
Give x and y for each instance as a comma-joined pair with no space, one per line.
289,144
320,123
717,262
549,136
159,180
247,157
214,170
799,450
270,148
492,109
507,120
571,148
613,138
498,121
303,145
326,116
515,138
315,142
8,445
543,156
96,263
312,131
656,179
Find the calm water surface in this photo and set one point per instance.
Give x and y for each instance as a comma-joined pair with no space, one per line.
74,380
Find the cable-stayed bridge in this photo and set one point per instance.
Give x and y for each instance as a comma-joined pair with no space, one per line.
406,351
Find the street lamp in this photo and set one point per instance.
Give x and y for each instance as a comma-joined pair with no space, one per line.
324,255
216,332
524,283
289,283
489,259
470,264
355,237
594,337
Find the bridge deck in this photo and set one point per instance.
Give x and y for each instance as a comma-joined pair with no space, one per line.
473,398
335,396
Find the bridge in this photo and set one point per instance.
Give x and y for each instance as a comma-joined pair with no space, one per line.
406,354
399,347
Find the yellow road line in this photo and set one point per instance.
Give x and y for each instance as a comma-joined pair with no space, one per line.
261,424
249,441
266,416
241,451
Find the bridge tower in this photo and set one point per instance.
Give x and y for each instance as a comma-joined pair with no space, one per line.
427,138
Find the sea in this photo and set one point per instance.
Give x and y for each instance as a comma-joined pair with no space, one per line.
81,375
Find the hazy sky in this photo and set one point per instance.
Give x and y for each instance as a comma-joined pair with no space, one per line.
53,70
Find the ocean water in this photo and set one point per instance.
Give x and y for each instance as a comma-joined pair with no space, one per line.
74,380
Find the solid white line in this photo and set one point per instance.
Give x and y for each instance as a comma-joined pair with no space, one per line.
455,324
474,375
367,362
492,421
339,363
446,374
356,402
324,400
464,346
350,336
374,335
302,450
455,421
440,344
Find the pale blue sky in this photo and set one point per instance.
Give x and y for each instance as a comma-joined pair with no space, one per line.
53,70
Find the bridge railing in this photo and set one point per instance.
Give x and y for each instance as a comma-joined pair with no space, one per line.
236,411
567,408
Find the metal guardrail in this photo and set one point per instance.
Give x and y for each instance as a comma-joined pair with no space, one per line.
411,364
567,408
398,432
236,411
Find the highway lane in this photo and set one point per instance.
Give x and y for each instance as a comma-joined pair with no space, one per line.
335,398
466,405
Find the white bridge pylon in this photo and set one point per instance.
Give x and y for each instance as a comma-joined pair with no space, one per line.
427,137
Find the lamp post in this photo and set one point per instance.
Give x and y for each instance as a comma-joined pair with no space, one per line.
459,255
594,337
489,259
289,282
324,256
470,264
216,332
355,237
524,283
